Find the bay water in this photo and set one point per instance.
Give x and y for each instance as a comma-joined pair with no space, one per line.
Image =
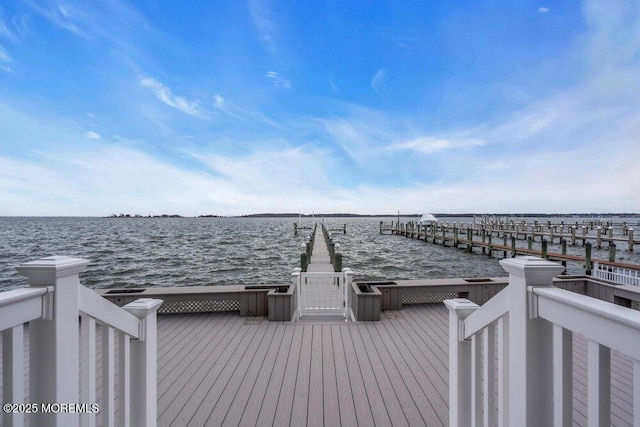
150,252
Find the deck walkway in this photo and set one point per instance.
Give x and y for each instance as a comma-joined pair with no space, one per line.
222,369
320,261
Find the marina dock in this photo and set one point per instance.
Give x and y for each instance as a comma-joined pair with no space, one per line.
501,239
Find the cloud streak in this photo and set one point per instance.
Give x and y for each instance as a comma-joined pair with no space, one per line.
276,80
263,22
429,144
164,94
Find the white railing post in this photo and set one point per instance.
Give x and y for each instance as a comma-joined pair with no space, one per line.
459,362
530,343
53,340
143,362
13,373
295,279
348,278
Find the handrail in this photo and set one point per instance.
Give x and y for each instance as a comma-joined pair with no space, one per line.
106,312
62,350
515,353
487,314
592,318
17,295
20,306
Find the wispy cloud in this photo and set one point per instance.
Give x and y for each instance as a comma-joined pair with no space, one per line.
163,93
224,106
429,144
264,23
63,15
543,10
5,59
92,135
276,80
377,81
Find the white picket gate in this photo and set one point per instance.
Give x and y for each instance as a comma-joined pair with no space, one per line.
322,293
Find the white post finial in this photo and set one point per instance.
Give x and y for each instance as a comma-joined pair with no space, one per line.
459,362
54,348
143,362
530,343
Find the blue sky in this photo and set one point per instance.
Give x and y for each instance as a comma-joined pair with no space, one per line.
233,107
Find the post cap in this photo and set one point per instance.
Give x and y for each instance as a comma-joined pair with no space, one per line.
462,306
45,271
143,306
535,271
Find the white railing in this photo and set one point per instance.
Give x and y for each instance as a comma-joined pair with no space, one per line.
62,352
323,293
622,276
533,324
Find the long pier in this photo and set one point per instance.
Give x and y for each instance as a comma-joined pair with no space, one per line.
487,236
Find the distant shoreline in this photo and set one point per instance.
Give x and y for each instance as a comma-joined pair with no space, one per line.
348,215
404,215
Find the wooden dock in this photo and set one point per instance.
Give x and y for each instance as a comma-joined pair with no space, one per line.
503,240
320,260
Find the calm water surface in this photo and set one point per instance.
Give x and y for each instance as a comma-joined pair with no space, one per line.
139,252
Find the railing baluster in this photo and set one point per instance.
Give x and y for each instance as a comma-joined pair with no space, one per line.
503,371
13,373
476,381
598,384
108,374
489,369
88,368
636,391
562,376
124,380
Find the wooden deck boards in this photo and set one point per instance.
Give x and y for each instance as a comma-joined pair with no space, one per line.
223,369
227,372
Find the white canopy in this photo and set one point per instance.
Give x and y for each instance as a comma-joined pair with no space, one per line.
427,217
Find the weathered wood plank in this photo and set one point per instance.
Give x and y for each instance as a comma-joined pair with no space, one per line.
315,414
186,375
197,393
346,406
269,384
301,396
232,406
331,405
219,396
258,393
364,412
285,398
373,393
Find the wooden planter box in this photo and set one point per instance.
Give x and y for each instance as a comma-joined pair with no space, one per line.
365,302
253,300
282,305
391,295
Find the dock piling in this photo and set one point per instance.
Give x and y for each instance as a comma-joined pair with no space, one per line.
587,258
612,252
